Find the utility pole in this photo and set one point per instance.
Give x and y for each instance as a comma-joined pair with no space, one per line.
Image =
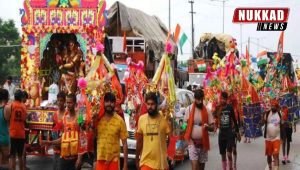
249,45
169,15
192,14
223,1
223,14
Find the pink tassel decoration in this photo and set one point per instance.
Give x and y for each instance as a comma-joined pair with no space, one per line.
169,48
82,83
100,47
128,60
140,65
208,73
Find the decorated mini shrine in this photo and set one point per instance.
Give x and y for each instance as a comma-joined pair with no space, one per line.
62,50
59,40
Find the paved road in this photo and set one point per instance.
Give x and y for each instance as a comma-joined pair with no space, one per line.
45,163
250,157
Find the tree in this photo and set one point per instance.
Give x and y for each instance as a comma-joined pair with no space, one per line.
10,50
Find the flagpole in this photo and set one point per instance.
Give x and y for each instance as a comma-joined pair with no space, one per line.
249,46
241,36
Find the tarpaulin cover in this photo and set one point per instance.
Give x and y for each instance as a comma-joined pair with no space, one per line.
141,25
252,120
291,101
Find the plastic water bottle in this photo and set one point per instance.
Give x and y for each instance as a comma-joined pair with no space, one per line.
83,142
81,109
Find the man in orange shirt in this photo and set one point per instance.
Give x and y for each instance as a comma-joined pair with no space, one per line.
69,142
57,128
152,132
110,130
16,112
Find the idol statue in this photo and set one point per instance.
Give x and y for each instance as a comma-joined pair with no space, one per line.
71,68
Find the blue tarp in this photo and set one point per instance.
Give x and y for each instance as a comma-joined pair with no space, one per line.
291,101
252,120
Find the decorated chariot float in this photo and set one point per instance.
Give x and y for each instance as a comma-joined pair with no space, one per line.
62,50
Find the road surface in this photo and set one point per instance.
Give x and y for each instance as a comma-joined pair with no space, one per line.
250,157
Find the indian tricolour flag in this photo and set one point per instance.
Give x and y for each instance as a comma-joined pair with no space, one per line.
182,39
262,58
201,65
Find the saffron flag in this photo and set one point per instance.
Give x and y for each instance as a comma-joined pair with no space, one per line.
168,37
280,47
176,34
247,56
182,41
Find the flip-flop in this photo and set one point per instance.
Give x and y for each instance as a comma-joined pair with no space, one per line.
283,162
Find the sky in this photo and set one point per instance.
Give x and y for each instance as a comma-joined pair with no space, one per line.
208,18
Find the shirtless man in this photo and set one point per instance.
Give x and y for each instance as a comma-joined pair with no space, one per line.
272,120
200,121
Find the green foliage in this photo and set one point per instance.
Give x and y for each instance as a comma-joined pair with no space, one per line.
10,55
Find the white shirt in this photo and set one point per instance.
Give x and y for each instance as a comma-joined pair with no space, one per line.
197,128
273,127
11,90
52,93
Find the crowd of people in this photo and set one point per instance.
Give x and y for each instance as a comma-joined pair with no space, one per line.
12,136
110,132
277,130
